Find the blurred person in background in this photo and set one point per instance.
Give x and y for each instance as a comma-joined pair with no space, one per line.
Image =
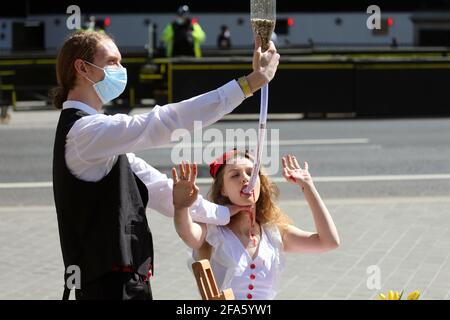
224,38
4,114
183,36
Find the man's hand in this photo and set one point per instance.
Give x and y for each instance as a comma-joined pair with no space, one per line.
235,209
265,62
265,65
185,191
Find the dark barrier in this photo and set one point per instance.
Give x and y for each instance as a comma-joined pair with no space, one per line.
297,88
402,89
358,83
6,87
364,87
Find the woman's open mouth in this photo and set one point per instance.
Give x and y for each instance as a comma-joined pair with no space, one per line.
243,193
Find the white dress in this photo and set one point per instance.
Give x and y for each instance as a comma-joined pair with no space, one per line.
255,279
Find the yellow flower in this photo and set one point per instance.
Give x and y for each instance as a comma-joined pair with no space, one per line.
391,295
395,295
414,295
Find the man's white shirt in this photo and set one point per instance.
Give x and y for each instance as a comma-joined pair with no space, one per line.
94,143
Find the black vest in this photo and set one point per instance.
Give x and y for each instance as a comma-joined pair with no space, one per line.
183,42
101,224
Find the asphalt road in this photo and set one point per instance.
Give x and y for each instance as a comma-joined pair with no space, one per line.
347,158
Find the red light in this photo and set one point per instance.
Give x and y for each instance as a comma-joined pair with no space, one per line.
107,21
290,22
194,20
390,22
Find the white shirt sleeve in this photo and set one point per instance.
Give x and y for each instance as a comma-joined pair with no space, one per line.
95,140
160,188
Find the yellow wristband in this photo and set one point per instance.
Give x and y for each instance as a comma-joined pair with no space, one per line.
243,83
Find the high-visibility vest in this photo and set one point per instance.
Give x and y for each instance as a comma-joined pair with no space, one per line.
169,36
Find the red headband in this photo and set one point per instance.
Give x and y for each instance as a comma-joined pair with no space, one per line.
216,164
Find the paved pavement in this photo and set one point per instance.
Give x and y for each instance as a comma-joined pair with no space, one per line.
407,238
406,235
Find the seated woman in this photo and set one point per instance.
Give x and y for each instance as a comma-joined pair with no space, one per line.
247,255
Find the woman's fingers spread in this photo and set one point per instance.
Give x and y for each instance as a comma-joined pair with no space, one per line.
297,166
181,167
286,173
291,163
174,175
194,173
284,163
188,170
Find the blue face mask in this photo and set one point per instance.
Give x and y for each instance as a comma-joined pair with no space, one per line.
112,85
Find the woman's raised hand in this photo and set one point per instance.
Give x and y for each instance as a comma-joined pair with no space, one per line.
185,191
293,173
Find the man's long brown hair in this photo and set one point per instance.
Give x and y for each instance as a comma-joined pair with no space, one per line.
79,45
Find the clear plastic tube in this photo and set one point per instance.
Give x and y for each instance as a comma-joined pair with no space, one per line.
261,138
263,18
